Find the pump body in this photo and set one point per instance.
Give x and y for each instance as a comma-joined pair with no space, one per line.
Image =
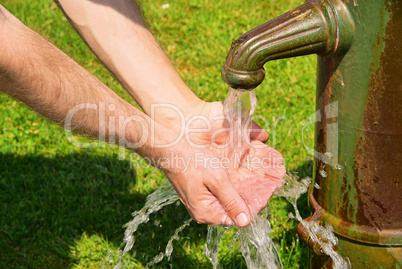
358,123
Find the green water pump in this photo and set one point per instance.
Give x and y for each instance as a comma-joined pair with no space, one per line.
358,124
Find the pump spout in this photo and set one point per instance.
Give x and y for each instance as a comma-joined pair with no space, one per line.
324,27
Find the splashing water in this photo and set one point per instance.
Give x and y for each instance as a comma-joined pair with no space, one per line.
214,237
256,245
324,235
163,196
169,246
238,109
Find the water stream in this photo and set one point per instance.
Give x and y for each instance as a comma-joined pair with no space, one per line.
256,245
324,235
163,196
238,109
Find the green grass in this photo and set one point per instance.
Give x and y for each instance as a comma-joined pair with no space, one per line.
64,207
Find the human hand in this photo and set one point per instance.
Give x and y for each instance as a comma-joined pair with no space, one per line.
257,171
259,175
204,186
201,115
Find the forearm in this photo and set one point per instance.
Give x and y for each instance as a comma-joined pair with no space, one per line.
117,34
40,75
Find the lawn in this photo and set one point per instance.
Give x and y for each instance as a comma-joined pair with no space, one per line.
63,207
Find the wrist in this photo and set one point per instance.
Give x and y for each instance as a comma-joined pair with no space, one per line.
174,114
153,141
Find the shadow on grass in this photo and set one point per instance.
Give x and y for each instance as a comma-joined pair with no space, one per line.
46,204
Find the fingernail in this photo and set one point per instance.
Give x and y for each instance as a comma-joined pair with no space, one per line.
242,220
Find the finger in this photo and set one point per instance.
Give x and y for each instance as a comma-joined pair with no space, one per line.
231,201
211,213
257,133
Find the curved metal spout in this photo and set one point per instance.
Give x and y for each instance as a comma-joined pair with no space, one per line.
318,26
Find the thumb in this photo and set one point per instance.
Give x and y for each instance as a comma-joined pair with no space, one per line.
257,133
232,202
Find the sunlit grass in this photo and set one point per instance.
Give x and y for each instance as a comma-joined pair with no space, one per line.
62,206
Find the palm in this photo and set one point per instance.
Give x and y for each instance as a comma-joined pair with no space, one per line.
261,168
260,173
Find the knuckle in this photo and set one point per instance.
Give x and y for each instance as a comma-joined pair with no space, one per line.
198,216
231,206
203,214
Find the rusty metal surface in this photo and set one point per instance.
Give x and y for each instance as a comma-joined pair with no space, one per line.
367,85
352,231
362,256
362,193
358,135
378,154
318,26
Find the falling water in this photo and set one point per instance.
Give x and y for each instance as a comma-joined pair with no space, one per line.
238,109
163,196
214,237
169,245
323,235
256,245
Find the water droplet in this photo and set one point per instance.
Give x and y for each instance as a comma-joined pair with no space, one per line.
338,167
291,215
323,173
306,181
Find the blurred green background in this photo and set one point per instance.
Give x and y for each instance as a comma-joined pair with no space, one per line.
64,207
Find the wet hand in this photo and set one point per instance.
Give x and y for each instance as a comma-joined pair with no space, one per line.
205,188
257,170
260,174
209,185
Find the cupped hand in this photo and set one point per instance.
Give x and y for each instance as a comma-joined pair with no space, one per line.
257,171
205,188
199,115
212,186
260,174
212,114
